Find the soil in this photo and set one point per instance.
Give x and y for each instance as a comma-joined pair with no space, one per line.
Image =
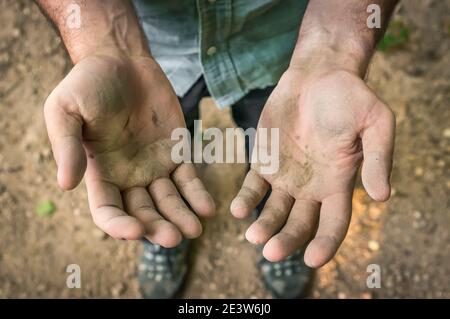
408,237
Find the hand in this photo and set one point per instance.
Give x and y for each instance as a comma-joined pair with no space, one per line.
329,120
120,112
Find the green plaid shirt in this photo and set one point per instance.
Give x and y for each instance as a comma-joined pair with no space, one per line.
237,45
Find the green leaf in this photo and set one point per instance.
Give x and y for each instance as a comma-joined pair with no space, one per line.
396,36
46,209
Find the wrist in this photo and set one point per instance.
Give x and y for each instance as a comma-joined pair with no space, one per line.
318,49
110,50
103,26
112,43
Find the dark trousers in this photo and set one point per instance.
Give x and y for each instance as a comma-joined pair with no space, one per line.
245,112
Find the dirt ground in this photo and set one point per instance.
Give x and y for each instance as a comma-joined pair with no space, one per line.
408,236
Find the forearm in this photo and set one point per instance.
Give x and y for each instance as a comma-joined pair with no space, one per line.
110,25
336,32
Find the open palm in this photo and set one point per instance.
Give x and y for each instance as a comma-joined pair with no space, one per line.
328,123
111,120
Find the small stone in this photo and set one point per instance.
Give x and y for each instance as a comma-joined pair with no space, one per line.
341,295
375,212
47,152
117,289
26,11
241,237
417,214
418,171
393,191
441,163
373,245
99,234
15,33
389,282
41,288
366,295
212,286
446,133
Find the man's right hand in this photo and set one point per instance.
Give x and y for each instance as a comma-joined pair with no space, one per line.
110,120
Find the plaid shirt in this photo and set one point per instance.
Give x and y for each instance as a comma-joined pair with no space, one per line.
237,45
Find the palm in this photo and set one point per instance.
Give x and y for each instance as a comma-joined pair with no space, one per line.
325,124
320,142
127,110
129,115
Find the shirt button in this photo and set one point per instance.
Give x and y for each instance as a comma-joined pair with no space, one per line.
211,51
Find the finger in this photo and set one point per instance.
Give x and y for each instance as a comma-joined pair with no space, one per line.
105,202
299,228
192,189
169,203
251,193
272,218
378,147
65,134
158,230
335,216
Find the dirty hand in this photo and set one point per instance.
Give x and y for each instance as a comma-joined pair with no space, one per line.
328,121
110,120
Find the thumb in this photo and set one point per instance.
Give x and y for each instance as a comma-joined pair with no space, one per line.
378,147
64,127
